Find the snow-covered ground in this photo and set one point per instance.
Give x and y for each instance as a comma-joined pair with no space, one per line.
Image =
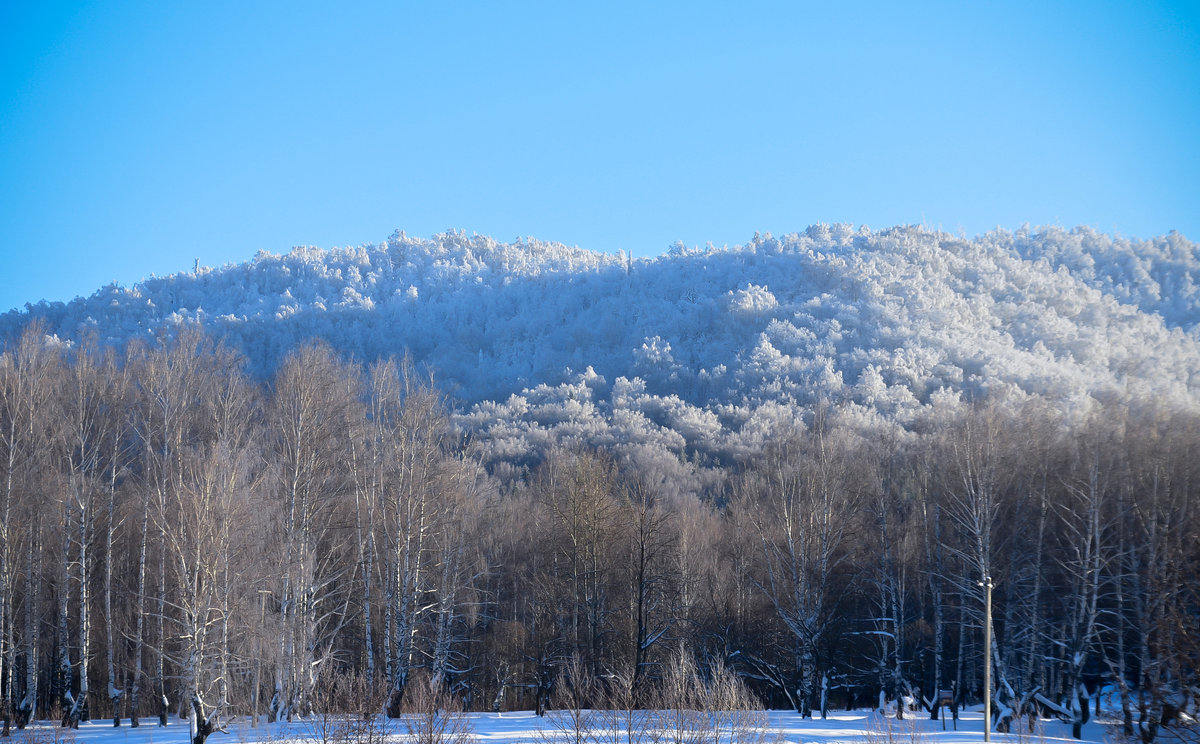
855,727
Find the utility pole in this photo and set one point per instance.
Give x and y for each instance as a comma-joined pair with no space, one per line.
987,657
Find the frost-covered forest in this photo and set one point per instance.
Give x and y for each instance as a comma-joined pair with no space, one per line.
513,472
886,319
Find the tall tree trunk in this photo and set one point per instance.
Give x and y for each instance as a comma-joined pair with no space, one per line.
114,692
62,643
160,676
80,712
7,645
139,636
368,608
934,560
28,708
1036,666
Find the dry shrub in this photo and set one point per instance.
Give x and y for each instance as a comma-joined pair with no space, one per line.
432,715
347,712
623,718
715,709
46,732
572,716
736,713
686,706
885,729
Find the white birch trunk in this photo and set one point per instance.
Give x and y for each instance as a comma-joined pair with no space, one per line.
29,701
160,677
62,639
7,647
80,711
114,692
140,622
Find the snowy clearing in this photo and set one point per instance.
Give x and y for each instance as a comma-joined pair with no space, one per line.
520,727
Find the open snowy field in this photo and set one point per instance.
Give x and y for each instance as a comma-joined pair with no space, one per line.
852,727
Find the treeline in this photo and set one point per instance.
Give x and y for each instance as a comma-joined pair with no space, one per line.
176,538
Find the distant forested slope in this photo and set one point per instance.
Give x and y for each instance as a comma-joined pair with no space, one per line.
540,341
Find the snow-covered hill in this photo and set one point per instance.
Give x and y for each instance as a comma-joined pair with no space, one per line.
540,341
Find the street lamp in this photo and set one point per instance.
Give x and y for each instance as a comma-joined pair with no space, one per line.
987,657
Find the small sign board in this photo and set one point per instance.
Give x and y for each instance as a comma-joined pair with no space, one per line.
945,697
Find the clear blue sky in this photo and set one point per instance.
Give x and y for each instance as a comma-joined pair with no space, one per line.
136,137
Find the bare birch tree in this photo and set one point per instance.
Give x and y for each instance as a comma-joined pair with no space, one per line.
207,530
311,414
802,502
168,377
27,375
413,438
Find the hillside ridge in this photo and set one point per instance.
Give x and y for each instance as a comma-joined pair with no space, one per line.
696,341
